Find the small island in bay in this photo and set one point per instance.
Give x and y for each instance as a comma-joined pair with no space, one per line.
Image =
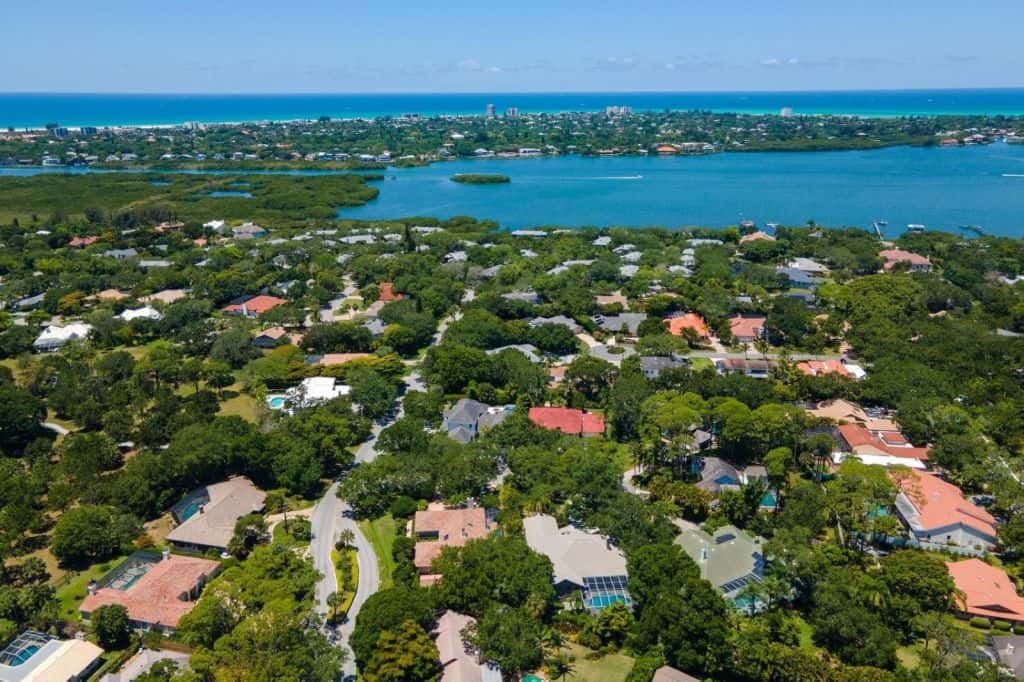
481,179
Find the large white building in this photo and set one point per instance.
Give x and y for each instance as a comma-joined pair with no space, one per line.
55,337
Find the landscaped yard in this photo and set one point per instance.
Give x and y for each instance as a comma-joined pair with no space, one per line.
381,534
609,668
699,364
242,405
71,595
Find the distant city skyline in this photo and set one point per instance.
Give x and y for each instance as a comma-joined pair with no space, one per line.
115,46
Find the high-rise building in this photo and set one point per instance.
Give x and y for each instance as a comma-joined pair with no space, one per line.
512,112
490,111
786,112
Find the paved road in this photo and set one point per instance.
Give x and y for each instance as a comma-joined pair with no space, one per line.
56,428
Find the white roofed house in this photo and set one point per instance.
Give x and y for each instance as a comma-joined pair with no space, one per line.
581,561
317,390
144,313
56,337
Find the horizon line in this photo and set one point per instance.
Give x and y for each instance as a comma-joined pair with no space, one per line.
500,92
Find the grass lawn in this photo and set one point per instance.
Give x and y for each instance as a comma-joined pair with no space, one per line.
909,656
159,528
806,642
242,405
381,533
699,364
609,668
71,595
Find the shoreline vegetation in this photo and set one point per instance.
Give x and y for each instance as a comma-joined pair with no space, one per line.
481,178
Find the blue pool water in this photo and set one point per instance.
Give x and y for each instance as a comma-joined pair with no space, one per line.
600,601
768,500
189,511
276,402
25,654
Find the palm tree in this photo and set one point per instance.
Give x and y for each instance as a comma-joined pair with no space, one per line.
346,539
559,666
334,600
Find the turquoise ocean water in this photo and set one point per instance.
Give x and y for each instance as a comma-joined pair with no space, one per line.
22,110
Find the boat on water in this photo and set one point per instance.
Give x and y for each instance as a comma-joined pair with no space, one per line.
915,227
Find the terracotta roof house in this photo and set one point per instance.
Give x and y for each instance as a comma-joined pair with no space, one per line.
333,359
156,591
985,590
567,420
459,662
111,295
938,516
893,257
253,306
580,561
167,296
815,368
271,337
884,448
844,411
693,321
168,227
82,242
388,293
616,298
206,516
747,329
436,529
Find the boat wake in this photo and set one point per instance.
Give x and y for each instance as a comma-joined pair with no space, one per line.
619,177
1013,175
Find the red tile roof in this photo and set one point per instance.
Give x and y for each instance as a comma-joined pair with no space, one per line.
82,242
387,293
746,327
162,595
894,256
940,504
863,441
453,528
257,305
567,420
818,367
986,590
693,321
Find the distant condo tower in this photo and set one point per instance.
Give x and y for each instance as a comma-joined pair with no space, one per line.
512,112
490,111
786,112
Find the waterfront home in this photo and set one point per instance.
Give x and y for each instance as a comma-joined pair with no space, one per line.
747,329
757,236
691,321
729,559
568,420
253,306
581,562
938,516
55,337
985,591
467,419
534,234
915,262
808,265
206,516
459,661
37,657
156,590
435,529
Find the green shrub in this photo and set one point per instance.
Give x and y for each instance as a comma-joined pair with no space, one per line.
402,507
1001,625
979,622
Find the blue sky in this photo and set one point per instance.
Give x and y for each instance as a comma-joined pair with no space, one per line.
524,45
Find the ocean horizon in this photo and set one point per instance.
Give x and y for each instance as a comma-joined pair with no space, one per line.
36,110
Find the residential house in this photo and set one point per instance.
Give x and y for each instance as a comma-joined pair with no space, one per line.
757,369
843,411
530,296
653,366
881,447
206,516
82,242
156,590
167,296
839,367
436,529
915,262
55,337
273,336
1008,652
388,293
985,591
144,313
716,474
757,236
603,240
616,323
729,559
570,421
37,657
111,295
938,516
253,306
616,298
249,231
808,265
168,227
669,674
747,329
535,234
692,321
335,359
628,271
121,254
151,263
459,661
531,351
467,419
562,320
313,391
143,661
581,561
797,279
29,302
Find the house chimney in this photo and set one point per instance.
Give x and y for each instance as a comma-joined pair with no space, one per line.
166,554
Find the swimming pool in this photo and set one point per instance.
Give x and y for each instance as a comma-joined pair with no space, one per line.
275,402
190,510
532,678
24,654
600,601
